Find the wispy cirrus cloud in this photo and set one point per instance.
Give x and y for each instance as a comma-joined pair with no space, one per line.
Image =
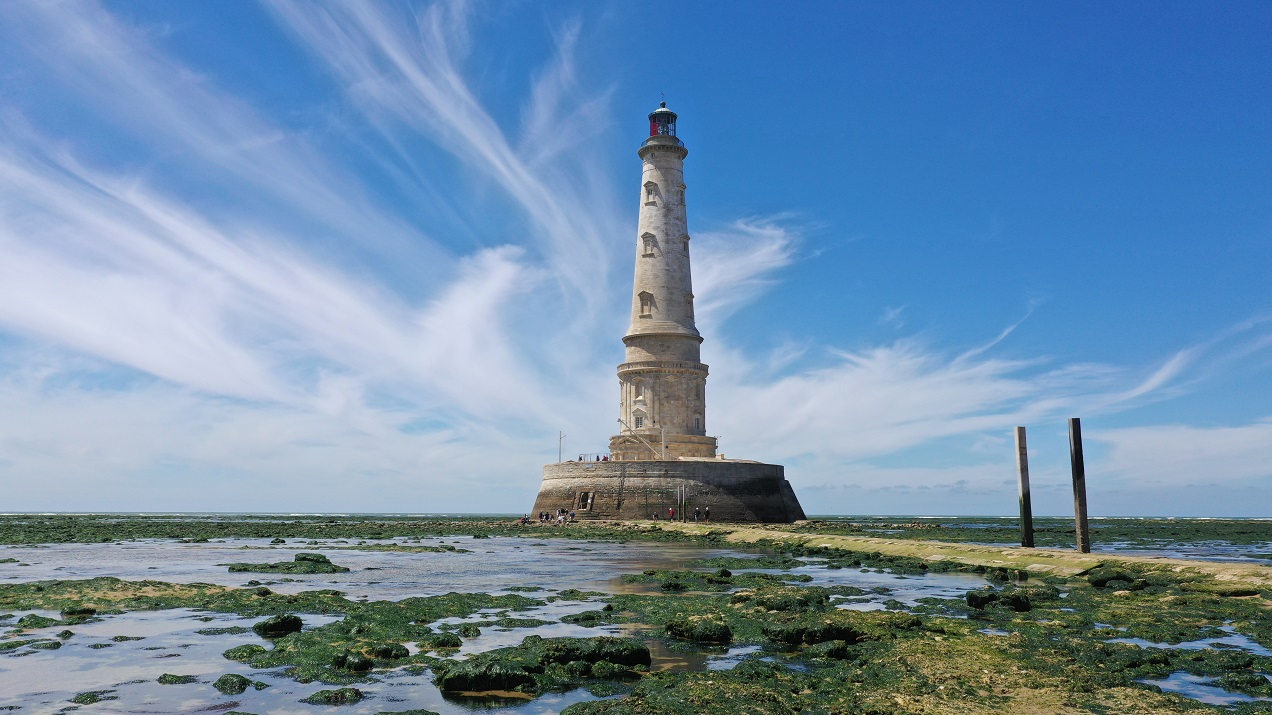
238,332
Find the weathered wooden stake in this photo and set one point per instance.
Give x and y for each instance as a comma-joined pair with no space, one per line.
1026,509
1079,485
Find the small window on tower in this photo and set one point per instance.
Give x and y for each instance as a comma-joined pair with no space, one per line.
651,193
639,390
640,421
649,243
697,423
647,304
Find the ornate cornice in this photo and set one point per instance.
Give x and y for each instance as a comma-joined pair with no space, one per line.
684,366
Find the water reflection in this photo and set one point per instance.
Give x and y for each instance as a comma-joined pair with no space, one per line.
123,655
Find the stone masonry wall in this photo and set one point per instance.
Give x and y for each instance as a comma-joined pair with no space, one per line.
734,491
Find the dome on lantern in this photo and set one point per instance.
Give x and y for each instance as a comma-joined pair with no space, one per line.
662,121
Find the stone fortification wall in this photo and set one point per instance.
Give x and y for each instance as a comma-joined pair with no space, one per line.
735,491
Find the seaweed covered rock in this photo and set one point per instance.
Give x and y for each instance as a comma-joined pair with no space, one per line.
434,641
232,683
980,599
340,696
389,651
171,679
540,664
353,662
848,626
587,619
702,629
244,653
1247,682
1110,577
33,620
303,563
783,598
482,674
278,626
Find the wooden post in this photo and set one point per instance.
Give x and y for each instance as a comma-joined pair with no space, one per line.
1079,486
1026,509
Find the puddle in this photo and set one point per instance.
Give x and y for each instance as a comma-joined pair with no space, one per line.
1202,689
1232,641
157,642
994,632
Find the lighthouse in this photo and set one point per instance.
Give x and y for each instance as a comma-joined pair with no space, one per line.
662,464
662,381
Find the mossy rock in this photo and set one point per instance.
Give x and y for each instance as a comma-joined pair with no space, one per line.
1109,577
46,645
482,675
171,679
232,683
1017,601
586,618
701,629
1249,683
468,630
848,626
93,696
32,620
244,653
440,640
303,563
980,599
278,626
339,696
783,598
353,662
540,664
389,651
836,650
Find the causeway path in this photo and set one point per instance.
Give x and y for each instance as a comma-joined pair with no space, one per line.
1062,562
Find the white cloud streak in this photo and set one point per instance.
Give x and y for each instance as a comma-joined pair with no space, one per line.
271,356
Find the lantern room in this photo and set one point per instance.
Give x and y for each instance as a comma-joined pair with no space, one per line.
662,121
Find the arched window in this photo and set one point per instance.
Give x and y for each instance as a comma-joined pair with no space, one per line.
649,245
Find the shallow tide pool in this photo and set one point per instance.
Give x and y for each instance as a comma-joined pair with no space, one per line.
121,656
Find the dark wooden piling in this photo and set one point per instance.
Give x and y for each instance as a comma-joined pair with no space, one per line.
1026,508
1079,486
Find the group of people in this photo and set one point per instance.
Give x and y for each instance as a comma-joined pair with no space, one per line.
566,516
699,514
562,516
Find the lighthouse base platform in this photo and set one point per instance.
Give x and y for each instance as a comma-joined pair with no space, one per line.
733,490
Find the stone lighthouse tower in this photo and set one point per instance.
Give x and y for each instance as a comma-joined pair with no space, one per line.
663,383
662,463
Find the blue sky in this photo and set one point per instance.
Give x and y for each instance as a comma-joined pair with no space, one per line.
298,256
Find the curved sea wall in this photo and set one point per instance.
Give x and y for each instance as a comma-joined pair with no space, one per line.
733,491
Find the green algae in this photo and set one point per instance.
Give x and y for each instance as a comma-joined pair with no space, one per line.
278,626
340,696
93,696
172,679
1055,656
542,664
